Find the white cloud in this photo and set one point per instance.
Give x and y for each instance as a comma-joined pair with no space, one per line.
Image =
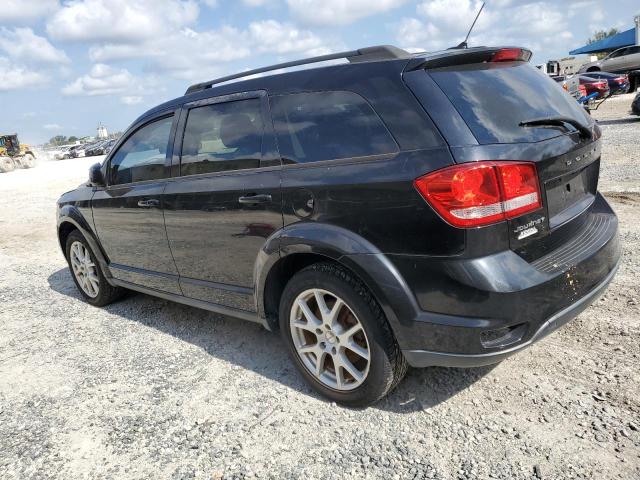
24,45
52,126
440,24
338,12
131,99
24,11
167,53
120,21
274,37
101,80
14,77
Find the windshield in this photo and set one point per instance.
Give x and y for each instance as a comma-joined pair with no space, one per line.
494,98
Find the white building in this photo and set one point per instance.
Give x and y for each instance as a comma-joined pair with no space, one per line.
102,132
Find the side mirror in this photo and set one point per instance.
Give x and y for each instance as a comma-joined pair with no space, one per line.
95,175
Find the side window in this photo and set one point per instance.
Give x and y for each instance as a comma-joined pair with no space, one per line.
619,53
633,50
222,136
326,126
142,156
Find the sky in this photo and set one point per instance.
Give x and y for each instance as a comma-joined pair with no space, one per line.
68,65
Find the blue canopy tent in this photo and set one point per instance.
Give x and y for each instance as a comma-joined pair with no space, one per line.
622,39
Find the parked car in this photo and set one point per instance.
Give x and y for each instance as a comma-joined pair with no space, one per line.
595,85
621,60
635,105
62,153
618,83
77,151
103,148
395,210
94,148
569,83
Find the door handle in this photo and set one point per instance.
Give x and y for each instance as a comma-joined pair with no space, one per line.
152,202
254,199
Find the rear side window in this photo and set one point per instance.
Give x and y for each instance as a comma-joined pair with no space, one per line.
327,126
142,156
494,98
222,136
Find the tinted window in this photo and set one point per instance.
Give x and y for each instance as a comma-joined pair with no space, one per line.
142,156
326,126
632,50
494,98
222,136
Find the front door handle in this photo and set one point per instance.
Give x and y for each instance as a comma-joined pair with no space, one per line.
152,202
254,199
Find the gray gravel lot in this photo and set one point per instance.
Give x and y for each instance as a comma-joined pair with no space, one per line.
149,389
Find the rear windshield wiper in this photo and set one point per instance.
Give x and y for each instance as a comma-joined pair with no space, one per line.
584,131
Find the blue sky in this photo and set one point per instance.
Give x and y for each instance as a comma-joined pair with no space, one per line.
66,65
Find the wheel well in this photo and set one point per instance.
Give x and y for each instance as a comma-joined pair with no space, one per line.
63,233
593,69
278,277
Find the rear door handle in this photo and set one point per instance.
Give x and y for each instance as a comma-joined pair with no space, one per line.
152,202
254,199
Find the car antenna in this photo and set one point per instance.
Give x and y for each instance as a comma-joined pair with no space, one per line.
463,44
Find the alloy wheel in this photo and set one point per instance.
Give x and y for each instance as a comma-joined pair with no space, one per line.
329,339
84,269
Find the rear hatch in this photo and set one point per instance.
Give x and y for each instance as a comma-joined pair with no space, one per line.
482,108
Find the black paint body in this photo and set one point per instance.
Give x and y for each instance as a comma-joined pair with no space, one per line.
448,292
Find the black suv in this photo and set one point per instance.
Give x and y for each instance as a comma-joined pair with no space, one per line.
393,210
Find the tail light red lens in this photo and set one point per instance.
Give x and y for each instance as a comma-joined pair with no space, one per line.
481,193
511,55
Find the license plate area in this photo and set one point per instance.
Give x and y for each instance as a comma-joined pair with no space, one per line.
570,194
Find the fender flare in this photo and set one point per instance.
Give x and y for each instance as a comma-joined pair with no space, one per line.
350,250
72,215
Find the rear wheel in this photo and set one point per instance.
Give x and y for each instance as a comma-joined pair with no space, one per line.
338,337
87,274
27,161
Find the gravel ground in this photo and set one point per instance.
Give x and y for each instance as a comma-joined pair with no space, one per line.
149,389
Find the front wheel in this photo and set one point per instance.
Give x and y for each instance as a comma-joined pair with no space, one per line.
7,164
87,274
338,336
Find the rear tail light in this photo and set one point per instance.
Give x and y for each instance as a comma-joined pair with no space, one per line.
511,55
481,193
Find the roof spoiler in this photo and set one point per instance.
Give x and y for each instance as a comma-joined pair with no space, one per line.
368,54
452,58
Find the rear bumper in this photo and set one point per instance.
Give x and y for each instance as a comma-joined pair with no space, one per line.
476,311
424,358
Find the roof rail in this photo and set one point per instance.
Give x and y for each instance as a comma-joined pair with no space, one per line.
368,54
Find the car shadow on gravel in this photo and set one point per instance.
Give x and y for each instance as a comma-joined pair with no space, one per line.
248,345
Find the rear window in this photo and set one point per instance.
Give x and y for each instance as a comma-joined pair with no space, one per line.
494,98
328,126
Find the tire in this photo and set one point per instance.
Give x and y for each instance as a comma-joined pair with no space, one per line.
28,161
7,164
374,377
99,293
